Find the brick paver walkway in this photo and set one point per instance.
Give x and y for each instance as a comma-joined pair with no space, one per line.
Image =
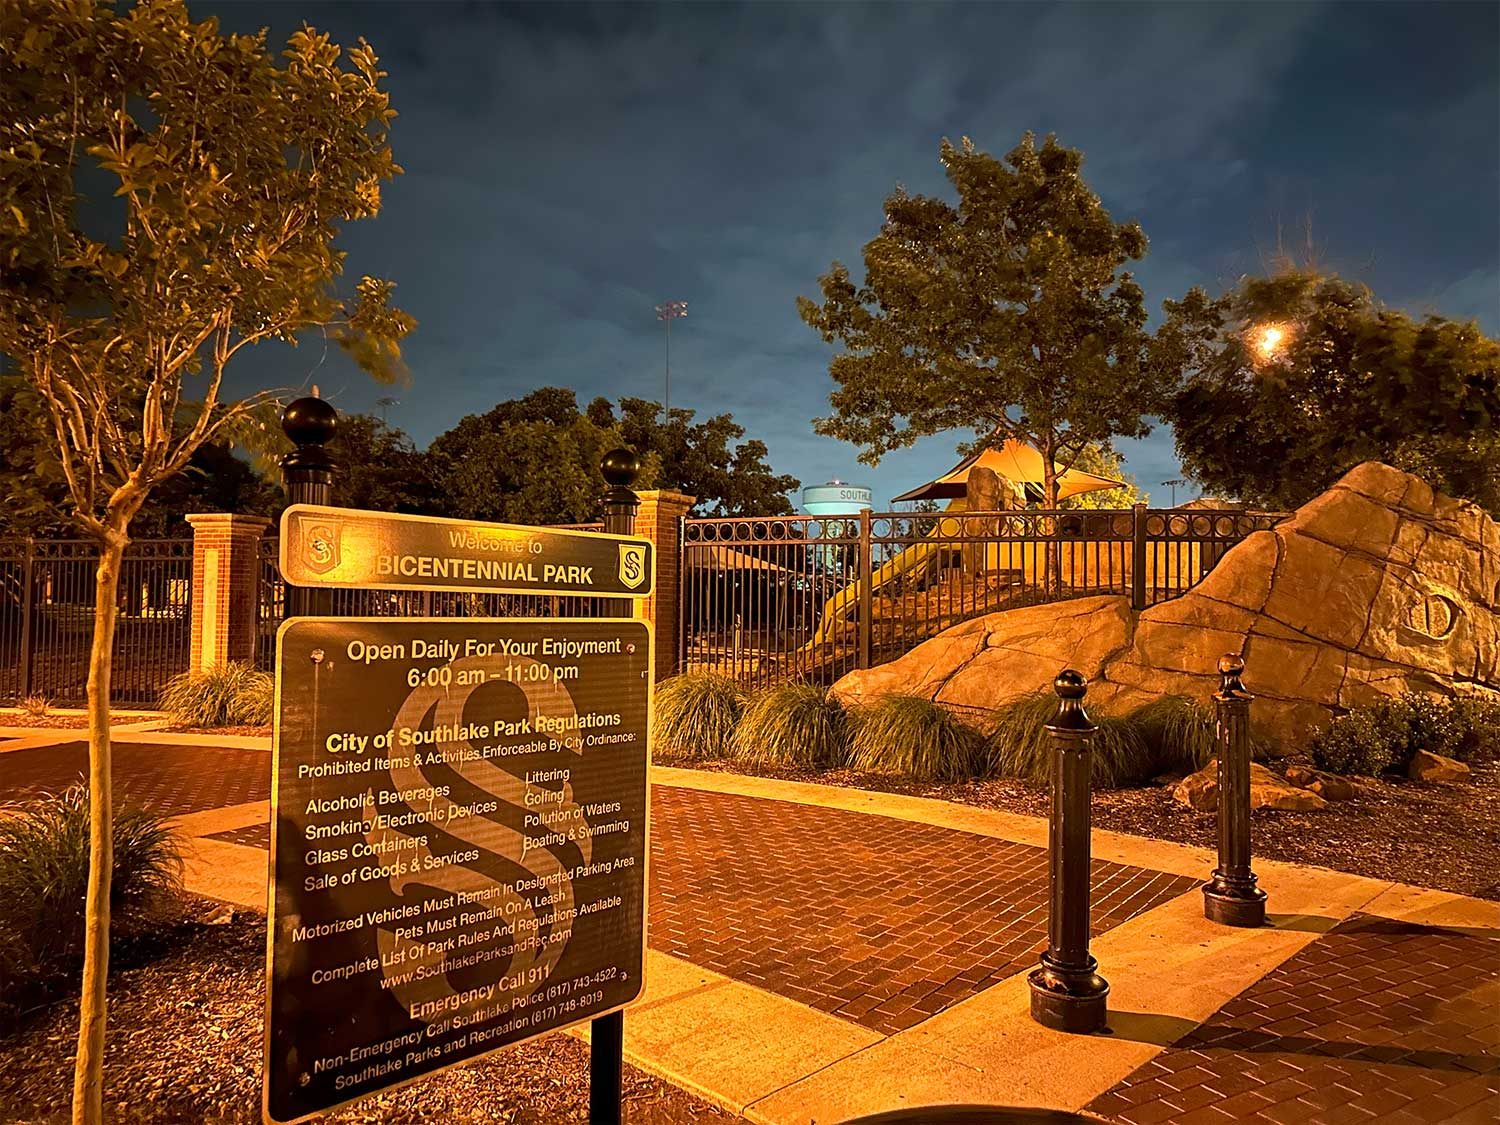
171,780
880,921
1377,1021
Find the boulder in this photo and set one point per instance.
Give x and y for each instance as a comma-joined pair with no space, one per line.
1200,791
1378,586
1427,766
1329,786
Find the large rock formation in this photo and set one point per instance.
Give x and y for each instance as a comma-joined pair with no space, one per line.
1378,586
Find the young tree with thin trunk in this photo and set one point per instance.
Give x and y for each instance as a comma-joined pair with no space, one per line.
1009,313
232,172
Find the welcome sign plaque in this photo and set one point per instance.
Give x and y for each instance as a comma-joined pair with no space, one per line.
459,843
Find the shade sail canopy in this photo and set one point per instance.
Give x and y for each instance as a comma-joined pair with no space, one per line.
1016,461
713,556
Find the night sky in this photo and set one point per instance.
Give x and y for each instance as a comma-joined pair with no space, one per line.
570,167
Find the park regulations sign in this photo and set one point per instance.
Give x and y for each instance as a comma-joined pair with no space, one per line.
459,821
354,548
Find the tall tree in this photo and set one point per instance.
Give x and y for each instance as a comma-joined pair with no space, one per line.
1008,313
710,460
1295,378
380,468
1103,461
232,176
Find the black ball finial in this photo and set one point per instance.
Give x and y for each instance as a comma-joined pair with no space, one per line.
620,467
1070,685
1231,668
309,421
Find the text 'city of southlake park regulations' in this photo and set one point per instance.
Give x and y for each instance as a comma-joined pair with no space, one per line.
460,843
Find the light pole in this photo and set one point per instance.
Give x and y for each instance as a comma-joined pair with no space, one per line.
1172,484
667,312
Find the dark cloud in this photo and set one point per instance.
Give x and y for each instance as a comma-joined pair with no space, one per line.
569,167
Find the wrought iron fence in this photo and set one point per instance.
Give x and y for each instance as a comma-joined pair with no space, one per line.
767,600
271,604
47,619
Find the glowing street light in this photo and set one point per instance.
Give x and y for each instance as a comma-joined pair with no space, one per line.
1269,339
667,312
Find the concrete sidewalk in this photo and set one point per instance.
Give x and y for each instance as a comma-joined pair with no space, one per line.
820,953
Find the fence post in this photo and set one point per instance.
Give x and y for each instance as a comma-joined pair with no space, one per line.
866,595
226,588
28,618
1138,559
660,518
308,473
607,1033
1067,992
1231,898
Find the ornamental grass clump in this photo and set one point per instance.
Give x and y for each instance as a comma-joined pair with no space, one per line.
797,725
696,714
230,695
44,870
1179,732
1019,745
914,737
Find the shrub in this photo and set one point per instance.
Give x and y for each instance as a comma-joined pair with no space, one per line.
232,694
696,714
1478,722
1387,735
916,738
1179,732
36,705
1019,745
44,871
794,725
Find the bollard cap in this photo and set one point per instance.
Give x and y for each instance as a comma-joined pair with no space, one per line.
1071,687
620,468
309,421
1231,668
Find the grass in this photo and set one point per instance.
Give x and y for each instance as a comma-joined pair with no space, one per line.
36,706
44,871
914,737
794,725
1179,732
696,715
1019,745
230,695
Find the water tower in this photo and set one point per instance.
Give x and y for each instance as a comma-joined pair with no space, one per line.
829,501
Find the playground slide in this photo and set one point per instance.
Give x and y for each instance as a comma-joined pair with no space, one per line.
918,555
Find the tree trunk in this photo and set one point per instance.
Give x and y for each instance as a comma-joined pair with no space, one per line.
1051,579
88,1069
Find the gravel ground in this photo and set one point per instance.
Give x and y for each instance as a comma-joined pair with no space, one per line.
185,1046
1428,834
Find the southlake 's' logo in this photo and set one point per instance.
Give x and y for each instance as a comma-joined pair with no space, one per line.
632,565
322,553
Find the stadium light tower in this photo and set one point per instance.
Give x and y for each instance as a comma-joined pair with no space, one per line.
667,312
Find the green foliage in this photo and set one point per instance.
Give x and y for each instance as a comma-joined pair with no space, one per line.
536,460
696,714
1019,745
378,467
913,737
229,695
708,460
1103,461
1346,381
1387,734
230,171
794,725
1179,732
1008,313
44,862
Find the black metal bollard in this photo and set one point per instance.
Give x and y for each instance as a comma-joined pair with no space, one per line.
607,1033
1067,992
1231,897
308,473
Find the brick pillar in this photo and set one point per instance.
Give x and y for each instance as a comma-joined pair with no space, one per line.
659,519
226,575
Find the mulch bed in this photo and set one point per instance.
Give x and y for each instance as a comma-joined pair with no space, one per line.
185,1042
253,732
1445,836
63,722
